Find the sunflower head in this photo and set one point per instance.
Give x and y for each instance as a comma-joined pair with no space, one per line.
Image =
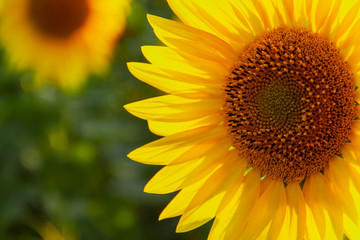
289,103
58,18
63,41
260,122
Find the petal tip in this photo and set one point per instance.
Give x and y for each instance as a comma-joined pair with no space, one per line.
131,155
148,188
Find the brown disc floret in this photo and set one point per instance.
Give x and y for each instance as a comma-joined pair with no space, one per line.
58,18
289,103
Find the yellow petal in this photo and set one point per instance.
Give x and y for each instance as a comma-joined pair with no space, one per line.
176,176
253,19
351,230
167,59
309,6
235,181
217,18
186,12
312,232
295,212
349,19
286,225
169,128
333,16
169,148
353,62
191,41
180,202
263,212
351,225
321,13
220,158
153,76
206,202
278,220
323,205
171,108
338,175
199,216
234,215
295,13
265,183
348,44
354,173
350,153
356,130
263,14
203,148
280,14
170,178
203,93
289,10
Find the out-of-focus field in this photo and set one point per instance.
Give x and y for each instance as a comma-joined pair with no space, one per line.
63,160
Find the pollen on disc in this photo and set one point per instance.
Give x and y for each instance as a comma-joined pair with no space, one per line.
58,18
289,103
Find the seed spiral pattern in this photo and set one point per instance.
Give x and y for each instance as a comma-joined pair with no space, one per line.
289,103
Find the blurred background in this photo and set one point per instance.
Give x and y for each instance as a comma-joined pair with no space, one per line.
64,173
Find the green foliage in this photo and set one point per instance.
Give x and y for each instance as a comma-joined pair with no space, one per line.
63,157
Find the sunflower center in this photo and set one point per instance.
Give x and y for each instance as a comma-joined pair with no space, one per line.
289,103
58,18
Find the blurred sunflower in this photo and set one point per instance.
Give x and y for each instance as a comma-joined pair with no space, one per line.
62,40
49,232
260,123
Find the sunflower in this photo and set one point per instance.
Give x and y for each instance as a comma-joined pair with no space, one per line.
62,40
49,232
260,122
